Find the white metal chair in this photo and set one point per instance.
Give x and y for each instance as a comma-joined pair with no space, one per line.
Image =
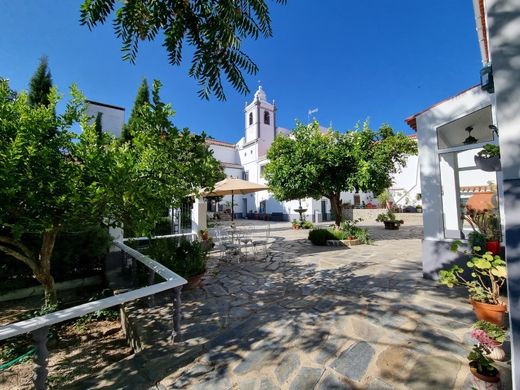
262,240
226,245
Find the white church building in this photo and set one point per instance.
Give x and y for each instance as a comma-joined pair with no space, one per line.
247,159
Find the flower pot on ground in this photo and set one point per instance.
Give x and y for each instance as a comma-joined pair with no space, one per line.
487,275
490,337
485,375
194,281
493,313
389,220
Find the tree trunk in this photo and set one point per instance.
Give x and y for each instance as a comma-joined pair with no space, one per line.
335,204
43,273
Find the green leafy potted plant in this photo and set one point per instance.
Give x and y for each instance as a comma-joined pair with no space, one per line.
488,273
488,159
389,220
384,199
482,367
488,224
493,337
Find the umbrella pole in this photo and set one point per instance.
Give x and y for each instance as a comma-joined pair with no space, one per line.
232,206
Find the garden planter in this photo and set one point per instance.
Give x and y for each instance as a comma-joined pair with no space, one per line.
488,164
194,281
493,247
392,225
488,312
484,382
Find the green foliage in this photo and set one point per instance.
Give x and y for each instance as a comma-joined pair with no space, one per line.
40,85
483,364
141,100
388,216
350,229
215,29
488,274
495,332
183,257
489,150
313,163
477,239
384,197
303,224
320,236
59,181
98,125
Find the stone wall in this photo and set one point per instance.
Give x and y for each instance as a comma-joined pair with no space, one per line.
369,216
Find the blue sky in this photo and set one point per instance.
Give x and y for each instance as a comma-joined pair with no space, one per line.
382,59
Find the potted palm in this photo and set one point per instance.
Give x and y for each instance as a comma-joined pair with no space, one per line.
385,199
389,219
488,159
487,275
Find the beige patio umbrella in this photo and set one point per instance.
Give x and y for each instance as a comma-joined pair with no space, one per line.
232,186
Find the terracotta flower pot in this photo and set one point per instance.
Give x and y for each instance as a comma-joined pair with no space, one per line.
493,247
489,312
194,281
486,382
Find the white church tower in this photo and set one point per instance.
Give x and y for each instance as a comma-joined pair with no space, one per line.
260,123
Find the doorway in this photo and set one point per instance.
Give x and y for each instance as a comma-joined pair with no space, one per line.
244,206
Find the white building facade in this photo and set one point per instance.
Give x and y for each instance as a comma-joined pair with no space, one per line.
247,159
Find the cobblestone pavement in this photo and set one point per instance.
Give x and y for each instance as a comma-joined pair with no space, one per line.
311,317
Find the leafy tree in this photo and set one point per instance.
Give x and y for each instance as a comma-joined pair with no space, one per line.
215,29
312,163
40,84
98,125
61,181
142,98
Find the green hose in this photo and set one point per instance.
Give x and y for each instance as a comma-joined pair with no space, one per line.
18,359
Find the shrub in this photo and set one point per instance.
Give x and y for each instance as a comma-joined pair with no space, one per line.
320,236
183,257
351,230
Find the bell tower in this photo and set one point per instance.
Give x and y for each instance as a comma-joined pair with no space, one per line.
260,118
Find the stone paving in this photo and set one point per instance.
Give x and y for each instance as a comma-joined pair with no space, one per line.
311,317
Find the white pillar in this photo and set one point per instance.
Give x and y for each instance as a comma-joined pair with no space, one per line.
199,218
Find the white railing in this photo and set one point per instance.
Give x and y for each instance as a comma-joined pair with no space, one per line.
39,326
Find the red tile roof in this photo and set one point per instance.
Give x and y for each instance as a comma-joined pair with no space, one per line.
210,141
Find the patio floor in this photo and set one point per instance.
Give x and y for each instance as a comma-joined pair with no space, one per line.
312,318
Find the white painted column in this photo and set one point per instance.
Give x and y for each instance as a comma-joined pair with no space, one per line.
199,218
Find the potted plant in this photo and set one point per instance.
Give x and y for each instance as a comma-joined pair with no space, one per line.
481,366
384,199
389,219
418,208
492,337
488,159
204,234
295,224
487,275
488,224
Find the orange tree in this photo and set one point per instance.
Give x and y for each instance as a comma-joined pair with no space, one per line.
314,163
58,181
